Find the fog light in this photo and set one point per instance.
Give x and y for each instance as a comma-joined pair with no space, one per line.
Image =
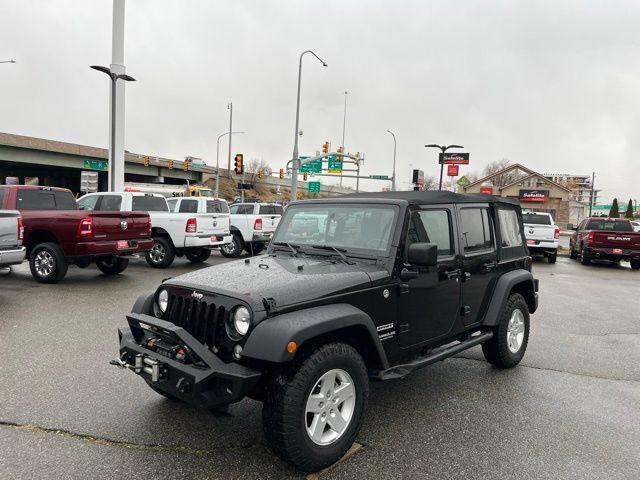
237,352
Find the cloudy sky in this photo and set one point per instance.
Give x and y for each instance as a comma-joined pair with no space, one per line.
552,85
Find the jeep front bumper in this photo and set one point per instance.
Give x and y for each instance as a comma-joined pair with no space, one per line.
206,384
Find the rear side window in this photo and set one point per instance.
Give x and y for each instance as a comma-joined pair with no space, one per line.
188,206
45,200
475,229
89,202
267,210
278,209
535,218
216,206
611,225
149,203
510,228
110,203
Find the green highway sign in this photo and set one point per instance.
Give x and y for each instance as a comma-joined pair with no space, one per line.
463,181
102,165
379,177
314,187
312,167
334,165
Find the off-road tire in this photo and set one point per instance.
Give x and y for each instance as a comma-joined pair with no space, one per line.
552,257
59,264
198,255
234,249
635,264
113,265
283,413
496,351
573,254
165,249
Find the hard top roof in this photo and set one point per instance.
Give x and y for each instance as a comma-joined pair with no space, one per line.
432,196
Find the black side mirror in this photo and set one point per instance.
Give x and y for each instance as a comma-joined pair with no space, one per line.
423,254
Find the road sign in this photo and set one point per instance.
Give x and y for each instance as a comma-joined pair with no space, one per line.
102,165
334,165
314,187
454,158
379,177
463,181
314,166
453,170
88,181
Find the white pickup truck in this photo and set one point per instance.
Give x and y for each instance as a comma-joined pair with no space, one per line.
193,230
11,234
252,226
542,234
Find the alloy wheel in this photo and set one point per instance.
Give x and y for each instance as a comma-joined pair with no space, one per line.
44,263
515,331
157,253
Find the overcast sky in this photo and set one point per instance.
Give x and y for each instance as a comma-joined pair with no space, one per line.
552,85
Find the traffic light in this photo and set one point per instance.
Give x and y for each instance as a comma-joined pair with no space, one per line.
325,147
340,150
304,176
282,173
260,173
170,162
238,166
145,161
185,165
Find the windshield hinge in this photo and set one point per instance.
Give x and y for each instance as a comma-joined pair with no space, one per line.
270,305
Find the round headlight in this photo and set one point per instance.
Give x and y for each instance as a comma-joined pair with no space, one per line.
242,320
163,300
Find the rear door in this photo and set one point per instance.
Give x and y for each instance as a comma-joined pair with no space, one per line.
479,259
219,212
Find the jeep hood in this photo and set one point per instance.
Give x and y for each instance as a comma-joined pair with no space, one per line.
284,278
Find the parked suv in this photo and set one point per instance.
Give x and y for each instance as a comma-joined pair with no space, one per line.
386,284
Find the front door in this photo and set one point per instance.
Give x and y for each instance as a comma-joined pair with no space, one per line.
429,305
479,260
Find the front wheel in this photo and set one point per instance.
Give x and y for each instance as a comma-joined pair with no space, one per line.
233,249
510,336
197,255
314,409
112,265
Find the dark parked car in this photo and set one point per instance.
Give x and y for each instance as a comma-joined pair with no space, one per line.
610,239
57,234
384,284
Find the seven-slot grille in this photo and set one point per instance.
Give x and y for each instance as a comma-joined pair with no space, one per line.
202,319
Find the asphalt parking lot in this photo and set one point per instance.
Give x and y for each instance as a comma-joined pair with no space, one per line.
570,410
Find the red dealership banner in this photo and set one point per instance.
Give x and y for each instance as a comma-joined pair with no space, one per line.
453,170
488,190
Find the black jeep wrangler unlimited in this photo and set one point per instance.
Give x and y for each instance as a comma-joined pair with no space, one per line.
368,286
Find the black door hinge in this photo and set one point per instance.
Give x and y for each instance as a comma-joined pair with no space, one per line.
465,310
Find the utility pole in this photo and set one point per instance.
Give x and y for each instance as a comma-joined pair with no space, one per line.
393,177
230,108
344,124
117,67
591,199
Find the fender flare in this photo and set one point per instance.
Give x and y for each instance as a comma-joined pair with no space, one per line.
269,340
524,283
144,304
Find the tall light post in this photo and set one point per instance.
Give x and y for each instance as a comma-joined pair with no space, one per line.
344,124
113,173
393,177
218,161
295,160
8,61
443,149
230,133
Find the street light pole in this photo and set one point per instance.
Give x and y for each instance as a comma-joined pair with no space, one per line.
443,149
114,184
8,61
218,161
344,124
393,177
295,160
593,179
230,108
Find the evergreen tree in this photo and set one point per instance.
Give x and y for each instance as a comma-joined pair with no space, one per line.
614,212
629,212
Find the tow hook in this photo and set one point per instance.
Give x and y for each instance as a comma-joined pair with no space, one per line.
143,365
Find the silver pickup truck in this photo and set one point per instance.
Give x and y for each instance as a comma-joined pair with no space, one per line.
11,234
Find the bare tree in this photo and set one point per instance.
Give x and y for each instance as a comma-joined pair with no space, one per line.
502,179
430,183
253,167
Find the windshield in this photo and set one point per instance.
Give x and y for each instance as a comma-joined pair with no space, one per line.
354,228
536,219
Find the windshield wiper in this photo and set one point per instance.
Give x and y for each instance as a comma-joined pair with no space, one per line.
293,248
337,250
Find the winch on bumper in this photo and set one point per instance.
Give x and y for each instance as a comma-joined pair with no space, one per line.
201,378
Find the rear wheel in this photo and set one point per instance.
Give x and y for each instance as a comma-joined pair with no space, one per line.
635,263
233,249
47,263
197,255
112,265
510,336
552,257
161,254
314,409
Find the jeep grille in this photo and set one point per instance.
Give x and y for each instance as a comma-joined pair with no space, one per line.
202,319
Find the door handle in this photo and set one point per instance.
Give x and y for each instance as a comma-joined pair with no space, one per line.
488,266
451,274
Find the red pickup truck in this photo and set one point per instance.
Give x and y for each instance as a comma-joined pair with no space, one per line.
610,239
57,234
